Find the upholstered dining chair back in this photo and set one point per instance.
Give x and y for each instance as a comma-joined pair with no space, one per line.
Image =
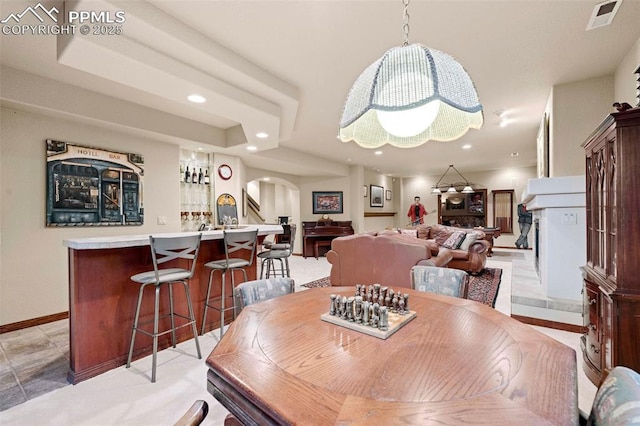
446,281
617,400
255,291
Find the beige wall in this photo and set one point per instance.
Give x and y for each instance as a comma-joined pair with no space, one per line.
577,109
34,280
625,79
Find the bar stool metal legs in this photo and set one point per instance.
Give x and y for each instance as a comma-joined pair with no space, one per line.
222,300
166,249
234,242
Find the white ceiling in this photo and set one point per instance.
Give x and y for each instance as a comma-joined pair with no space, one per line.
285,67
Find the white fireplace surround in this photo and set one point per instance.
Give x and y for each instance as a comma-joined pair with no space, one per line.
558,204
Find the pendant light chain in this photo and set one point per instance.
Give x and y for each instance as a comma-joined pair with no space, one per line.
405,22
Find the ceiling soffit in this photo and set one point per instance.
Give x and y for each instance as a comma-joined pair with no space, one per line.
161,55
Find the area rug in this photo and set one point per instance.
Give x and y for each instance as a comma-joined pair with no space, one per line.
483,288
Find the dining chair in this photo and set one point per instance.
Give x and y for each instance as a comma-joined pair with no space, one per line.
255,291
195,415
617,401
236,244
434,279
166,249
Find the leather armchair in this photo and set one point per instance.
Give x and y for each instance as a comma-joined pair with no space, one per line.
385,259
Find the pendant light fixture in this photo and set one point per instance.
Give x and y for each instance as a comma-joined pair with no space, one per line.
410,95
452,188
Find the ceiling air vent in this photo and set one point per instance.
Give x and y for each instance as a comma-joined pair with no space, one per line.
603,14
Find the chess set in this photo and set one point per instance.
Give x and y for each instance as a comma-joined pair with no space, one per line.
374,310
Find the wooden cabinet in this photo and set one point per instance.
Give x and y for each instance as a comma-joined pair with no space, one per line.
612,275
463,210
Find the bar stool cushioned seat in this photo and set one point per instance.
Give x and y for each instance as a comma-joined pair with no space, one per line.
165,249
235,243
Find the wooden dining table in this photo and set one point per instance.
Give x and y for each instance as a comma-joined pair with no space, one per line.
457,362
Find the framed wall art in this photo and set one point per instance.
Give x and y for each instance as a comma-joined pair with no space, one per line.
376,196
327,202
89,186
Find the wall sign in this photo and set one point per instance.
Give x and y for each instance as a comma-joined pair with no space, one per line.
93,187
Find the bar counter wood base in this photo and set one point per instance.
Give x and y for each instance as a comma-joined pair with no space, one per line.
102,298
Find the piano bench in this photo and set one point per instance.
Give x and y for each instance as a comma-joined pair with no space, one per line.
321,243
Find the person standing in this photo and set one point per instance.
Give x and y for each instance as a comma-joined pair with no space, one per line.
524,221
417,212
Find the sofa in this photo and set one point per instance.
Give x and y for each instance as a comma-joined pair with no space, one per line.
385,258
467,245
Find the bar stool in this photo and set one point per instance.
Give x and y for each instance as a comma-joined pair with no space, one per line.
278,251
165,249
234,242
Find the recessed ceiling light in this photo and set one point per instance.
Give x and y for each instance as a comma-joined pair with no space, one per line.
262,135
467,146
378,153
266,179
197,99
515,154
349,160
252,148
200,149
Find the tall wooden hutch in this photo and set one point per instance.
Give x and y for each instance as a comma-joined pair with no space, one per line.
612,274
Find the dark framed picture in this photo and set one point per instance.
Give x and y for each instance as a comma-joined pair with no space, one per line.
89,186
327,202
387,195
376,196
475,202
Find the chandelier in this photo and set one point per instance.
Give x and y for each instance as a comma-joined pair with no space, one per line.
452,188
412,94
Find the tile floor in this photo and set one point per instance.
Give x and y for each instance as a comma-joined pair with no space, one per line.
34,361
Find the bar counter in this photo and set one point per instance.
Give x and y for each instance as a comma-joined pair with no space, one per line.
102,297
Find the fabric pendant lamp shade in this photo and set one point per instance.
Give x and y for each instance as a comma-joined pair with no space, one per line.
411,95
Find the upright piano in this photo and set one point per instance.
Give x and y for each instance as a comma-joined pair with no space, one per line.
317,236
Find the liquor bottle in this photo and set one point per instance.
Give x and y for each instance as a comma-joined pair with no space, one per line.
187,175
200,177
194,176
181,173
207,179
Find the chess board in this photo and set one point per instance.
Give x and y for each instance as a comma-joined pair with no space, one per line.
396,322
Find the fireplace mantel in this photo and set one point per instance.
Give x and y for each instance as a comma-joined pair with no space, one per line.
558,204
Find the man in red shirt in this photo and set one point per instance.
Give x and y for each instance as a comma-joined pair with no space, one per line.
417,212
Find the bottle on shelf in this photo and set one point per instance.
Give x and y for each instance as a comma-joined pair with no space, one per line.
181,173
207,179
200,176
187,175
194,176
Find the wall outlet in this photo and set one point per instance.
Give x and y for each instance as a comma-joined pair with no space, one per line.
162,220
569,219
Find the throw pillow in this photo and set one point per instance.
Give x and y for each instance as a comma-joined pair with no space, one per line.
410,232
454,240
471,238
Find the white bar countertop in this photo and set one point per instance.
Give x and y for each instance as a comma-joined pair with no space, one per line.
123,241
